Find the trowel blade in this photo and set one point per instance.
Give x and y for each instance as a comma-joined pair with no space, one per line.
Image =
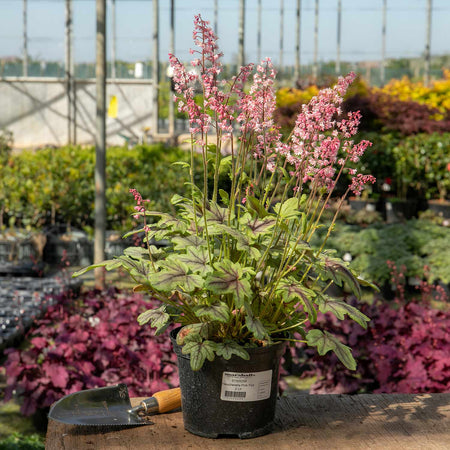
101,406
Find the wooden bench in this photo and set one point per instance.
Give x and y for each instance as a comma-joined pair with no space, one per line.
401,421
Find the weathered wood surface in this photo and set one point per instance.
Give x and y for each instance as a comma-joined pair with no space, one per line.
302,421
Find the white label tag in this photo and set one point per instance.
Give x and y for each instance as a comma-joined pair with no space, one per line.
246,387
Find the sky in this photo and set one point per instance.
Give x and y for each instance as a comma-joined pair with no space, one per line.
360,39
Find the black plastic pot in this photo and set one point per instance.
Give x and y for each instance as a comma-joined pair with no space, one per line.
231,397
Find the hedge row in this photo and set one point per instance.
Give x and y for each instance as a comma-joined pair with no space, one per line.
56,186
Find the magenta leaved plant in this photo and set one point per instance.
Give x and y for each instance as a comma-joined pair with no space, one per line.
404,350
93,344
239,270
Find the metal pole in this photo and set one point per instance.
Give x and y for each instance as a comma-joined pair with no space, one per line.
428,44
25,41
316,41
172,50
155,66
297,40
258,34
68,70
113,46
216,16
280,70
338,40
100,144
241,55
383,46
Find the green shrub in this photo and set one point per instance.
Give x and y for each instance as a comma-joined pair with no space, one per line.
44,187
414,244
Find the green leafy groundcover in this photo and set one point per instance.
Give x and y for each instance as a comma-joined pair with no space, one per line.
18,441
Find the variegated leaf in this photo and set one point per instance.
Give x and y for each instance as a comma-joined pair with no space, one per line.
338,271
228,278
175,274
339,308
192,240
199,352
158,318
197,260
218,311
325,341
229,348
257,226
293,291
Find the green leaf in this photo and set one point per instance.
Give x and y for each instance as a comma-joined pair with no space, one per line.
292,290
216,214
229,348
224,196
255,326
242,242
183,164
110,264
336,270
255,204
228,278
363,282
258,226
158,318
199,352
216,311
174,223
225,162
192,240
288,209
197,260
339,308
194,332
174,274
325,341
136,252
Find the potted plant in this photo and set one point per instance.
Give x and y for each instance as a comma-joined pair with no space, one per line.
239,275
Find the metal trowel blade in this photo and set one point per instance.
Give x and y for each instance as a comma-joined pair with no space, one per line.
101,406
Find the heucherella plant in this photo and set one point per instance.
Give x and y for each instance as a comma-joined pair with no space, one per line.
240,270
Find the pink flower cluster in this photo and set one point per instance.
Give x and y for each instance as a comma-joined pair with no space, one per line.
139,202
321,143
360,181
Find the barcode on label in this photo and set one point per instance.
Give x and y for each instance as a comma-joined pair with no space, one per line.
235,394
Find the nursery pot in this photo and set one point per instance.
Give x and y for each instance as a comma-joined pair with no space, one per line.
234,397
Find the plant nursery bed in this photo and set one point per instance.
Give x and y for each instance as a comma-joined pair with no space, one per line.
302,421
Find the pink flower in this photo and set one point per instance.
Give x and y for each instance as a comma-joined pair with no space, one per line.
359,182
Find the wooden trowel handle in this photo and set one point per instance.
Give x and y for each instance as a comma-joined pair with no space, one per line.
168,400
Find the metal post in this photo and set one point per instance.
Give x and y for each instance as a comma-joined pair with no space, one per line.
297,40
241,54
68,70
155,66
172,50
216,16
338,40
258,35
428,44
280,69
383,46
25,40
316,41
113,38
100,144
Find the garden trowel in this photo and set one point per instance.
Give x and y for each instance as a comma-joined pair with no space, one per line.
111,406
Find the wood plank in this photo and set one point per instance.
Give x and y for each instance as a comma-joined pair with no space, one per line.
401,421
